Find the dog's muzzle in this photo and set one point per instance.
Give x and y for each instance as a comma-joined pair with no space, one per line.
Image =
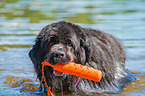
59,57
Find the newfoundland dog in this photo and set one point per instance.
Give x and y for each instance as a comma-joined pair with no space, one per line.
65,42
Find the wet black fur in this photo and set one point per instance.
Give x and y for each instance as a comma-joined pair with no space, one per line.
89,47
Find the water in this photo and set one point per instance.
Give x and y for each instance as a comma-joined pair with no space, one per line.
21,21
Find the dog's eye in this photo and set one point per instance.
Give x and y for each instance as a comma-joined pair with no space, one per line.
50,44
70,45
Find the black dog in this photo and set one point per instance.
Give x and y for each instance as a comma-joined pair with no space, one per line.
64,42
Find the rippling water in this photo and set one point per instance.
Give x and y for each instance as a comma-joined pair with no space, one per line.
21,21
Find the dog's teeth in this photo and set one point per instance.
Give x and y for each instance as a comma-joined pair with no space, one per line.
58,73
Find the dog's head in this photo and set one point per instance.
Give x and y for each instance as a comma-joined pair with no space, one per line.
64,45
63,42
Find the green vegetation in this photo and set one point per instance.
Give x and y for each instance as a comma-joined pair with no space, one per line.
6,47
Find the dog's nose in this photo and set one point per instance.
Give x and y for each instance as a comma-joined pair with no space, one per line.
59,54
59,57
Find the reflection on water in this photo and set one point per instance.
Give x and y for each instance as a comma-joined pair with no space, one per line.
21,21
26,84
136,86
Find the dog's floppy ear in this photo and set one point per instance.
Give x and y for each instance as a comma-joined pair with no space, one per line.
87,46
33,53
85,42
36,53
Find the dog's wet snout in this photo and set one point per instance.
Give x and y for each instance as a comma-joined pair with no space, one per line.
59,54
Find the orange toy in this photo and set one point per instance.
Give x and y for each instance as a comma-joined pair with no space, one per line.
77,70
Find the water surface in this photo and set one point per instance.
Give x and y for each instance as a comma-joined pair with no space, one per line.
21,21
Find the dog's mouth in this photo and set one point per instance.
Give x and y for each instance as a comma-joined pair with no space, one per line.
57,73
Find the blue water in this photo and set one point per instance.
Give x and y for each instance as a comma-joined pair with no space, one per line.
21,21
